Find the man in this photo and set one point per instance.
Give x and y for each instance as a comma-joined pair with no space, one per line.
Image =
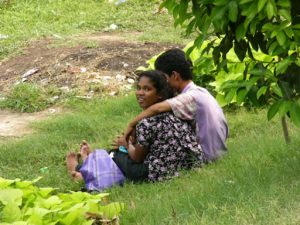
194,103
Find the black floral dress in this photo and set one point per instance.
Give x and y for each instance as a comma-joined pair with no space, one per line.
171,143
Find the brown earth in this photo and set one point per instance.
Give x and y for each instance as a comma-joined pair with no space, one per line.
107,67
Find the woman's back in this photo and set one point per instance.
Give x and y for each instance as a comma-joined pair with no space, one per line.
171,143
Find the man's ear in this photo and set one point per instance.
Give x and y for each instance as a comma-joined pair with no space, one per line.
176,75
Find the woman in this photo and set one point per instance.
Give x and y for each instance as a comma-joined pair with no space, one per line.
163,144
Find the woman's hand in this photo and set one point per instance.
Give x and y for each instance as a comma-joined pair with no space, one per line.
119,141
129,132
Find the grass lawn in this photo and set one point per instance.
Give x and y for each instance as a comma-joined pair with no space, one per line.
257,182
24,21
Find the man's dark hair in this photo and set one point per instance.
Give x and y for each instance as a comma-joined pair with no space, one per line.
175,60
159,81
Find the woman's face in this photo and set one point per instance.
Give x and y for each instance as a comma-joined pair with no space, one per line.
146,93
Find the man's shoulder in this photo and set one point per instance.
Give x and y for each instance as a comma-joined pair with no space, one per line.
195,89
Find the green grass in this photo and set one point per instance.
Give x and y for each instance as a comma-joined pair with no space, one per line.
23,21
257,182
26,97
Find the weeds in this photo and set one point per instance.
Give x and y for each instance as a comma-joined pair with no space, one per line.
25,97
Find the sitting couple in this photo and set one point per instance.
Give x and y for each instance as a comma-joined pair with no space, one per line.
161,146
165,142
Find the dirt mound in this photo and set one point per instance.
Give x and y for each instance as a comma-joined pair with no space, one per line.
106,66
79,65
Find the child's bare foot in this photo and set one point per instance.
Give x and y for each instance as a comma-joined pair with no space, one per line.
72,162
84,150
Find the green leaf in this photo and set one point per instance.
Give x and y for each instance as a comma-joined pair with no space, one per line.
284,3
175,12
241,96
274,109
112,209
289,32
240,32
218,13
240,49
261,4
270,10
261,91
233,11
281,38
253,27
283,65
49,202
5,183
220,2
73,215
229,96
36,215
11,195
216,55
268,27
272,47
284,108
296,26
245,1
10,213
44,192
169,4
285,14
286,89
295,114
276,89
221,100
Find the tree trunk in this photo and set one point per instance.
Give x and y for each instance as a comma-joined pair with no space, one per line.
285,130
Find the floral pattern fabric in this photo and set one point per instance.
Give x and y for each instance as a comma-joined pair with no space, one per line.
171,143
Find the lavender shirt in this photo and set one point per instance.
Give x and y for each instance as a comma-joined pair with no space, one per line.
197,104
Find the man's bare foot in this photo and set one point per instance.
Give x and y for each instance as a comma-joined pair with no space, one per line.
84,150
72,162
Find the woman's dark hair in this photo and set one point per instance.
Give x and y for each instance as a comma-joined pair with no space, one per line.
175,60
159,81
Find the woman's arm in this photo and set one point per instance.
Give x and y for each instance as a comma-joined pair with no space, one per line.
136,152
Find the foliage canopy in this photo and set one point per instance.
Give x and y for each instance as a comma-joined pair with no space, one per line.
254,47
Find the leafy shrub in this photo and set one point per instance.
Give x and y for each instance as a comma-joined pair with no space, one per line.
21,202
25,97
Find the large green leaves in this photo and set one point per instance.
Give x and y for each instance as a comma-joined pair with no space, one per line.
11,195
22,203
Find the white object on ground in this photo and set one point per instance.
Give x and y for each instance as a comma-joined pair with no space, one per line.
130,81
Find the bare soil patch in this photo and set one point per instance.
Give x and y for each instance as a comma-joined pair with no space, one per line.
107,66
16,124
